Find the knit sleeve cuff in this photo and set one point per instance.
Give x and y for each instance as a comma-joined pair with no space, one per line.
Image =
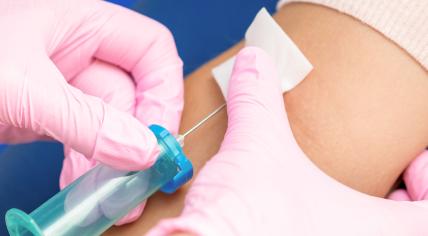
402,21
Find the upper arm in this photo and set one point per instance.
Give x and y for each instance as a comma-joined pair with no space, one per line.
360,115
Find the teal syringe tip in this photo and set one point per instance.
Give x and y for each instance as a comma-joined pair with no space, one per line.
95,201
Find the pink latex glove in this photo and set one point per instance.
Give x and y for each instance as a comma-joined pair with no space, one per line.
261,183
58,55
416,179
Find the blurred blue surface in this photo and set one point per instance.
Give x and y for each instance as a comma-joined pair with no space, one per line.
202,29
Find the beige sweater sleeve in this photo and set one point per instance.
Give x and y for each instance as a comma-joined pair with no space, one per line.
403,21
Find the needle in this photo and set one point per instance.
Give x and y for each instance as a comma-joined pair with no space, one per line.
180,137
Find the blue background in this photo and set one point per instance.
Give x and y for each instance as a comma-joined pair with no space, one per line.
202,29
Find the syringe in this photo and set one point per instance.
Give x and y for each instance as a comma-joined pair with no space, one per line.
99,198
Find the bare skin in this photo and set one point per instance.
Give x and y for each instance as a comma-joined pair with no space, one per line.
360,115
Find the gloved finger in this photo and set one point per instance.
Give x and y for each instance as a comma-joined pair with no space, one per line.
74,165
99,79
254,97
416,177
108,82
132,215
12,135
38,98
146,49
399,195
115,87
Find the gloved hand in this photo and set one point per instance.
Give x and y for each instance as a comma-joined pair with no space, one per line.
416,180
261,183
57,56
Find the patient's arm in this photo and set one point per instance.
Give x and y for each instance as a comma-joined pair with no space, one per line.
359,115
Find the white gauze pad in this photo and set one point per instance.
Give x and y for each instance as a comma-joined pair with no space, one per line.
266,34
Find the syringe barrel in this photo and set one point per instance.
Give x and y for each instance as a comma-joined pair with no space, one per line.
95,201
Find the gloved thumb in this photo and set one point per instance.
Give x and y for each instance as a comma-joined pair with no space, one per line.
416,177
254,95
37,97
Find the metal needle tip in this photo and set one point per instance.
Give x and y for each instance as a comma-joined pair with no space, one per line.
182,136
